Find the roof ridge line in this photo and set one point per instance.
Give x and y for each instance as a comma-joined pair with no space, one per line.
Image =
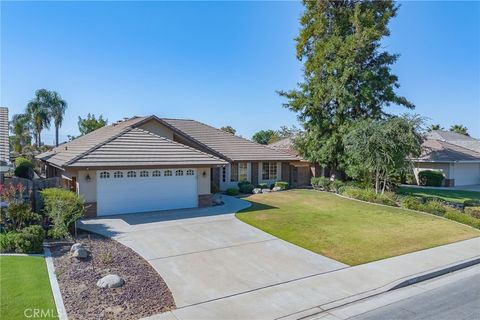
177,143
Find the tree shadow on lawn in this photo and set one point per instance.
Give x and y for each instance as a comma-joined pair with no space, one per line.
256,206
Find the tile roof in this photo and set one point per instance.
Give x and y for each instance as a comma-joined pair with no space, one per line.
441,151
285,145
231,147
123,144
456,139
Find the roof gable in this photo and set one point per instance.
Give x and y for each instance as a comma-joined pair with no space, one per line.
231,147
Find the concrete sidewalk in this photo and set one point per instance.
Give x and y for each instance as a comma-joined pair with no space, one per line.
315,294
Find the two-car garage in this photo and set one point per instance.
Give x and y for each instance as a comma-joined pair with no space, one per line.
143,190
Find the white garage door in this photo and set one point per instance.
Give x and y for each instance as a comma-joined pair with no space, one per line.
466,174
130,191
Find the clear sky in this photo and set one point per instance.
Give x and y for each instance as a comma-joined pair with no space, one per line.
218,62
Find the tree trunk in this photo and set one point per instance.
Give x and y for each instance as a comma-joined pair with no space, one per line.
39,140
56,136
384,183
377,181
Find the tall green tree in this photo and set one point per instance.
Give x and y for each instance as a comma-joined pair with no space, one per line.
90,123
264,136
39,114
458,128
57,106
346,74
21,130
434,127
228,129
381,149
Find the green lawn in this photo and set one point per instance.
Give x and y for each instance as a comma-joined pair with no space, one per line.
449,195
346,230
24,286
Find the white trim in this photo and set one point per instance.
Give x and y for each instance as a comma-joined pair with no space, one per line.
57,295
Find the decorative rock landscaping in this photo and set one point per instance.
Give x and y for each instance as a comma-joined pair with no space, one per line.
128,287
110,281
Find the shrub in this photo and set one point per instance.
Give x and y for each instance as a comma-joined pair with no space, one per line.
463,218
30,240
63,207
7,242
471,203
281,184
23,168
320,183
411,203
262,186
430,178
245,187
215,188
336,185
369,195
232,191
18,216
434,207
473,211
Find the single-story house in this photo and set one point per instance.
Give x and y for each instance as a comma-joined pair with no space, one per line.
148,163
303,170
455,155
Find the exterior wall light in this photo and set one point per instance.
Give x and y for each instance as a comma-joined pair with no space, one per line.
88,178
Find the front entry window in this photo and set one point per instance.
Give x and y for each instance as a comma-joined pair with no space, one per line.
234,172
242,171
269,170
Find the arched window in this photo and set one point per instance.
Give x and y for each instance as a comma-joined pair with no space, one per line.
144,173
118,174
104,175
179,173
190,172
167,173
156,173
131,174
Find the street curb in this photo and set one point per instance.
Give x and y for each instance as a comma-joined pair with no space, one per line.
400,283
57,295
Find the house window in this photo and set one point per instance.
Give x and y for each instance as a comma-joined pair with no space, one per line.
131,174
224,174
118,174
156,173
233,172
167,173
179,173
144,173
104,175
242,171
269,170
190,172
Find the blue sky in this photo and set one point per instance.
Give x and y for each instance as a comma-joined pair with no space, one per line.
218,62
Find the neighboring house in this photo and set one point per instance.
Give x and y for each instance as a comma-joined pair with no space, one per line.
4,143
301,171
455,155
148,164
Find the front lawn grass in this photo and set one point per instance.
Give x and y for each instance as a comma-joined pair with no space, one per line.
458,196
24,288
346,230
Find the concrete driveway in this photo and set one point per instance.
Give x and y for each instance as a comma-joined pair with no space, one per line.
208,254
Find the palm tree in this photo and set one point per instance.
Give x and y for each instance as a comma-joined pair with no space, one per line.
38,113
57,108
21,128
458,128
435,127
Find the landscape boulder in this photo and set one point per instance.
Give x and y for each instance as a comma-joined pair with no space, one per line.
257,191
80,253
266,190
110,281
75,247
275,189
217,199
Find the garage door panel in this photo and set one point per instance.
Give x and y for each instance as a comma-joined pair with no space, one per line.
466,174
142,194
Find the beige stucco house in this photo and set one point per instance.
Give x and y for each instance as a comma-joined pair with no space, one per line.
455,155
148,164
